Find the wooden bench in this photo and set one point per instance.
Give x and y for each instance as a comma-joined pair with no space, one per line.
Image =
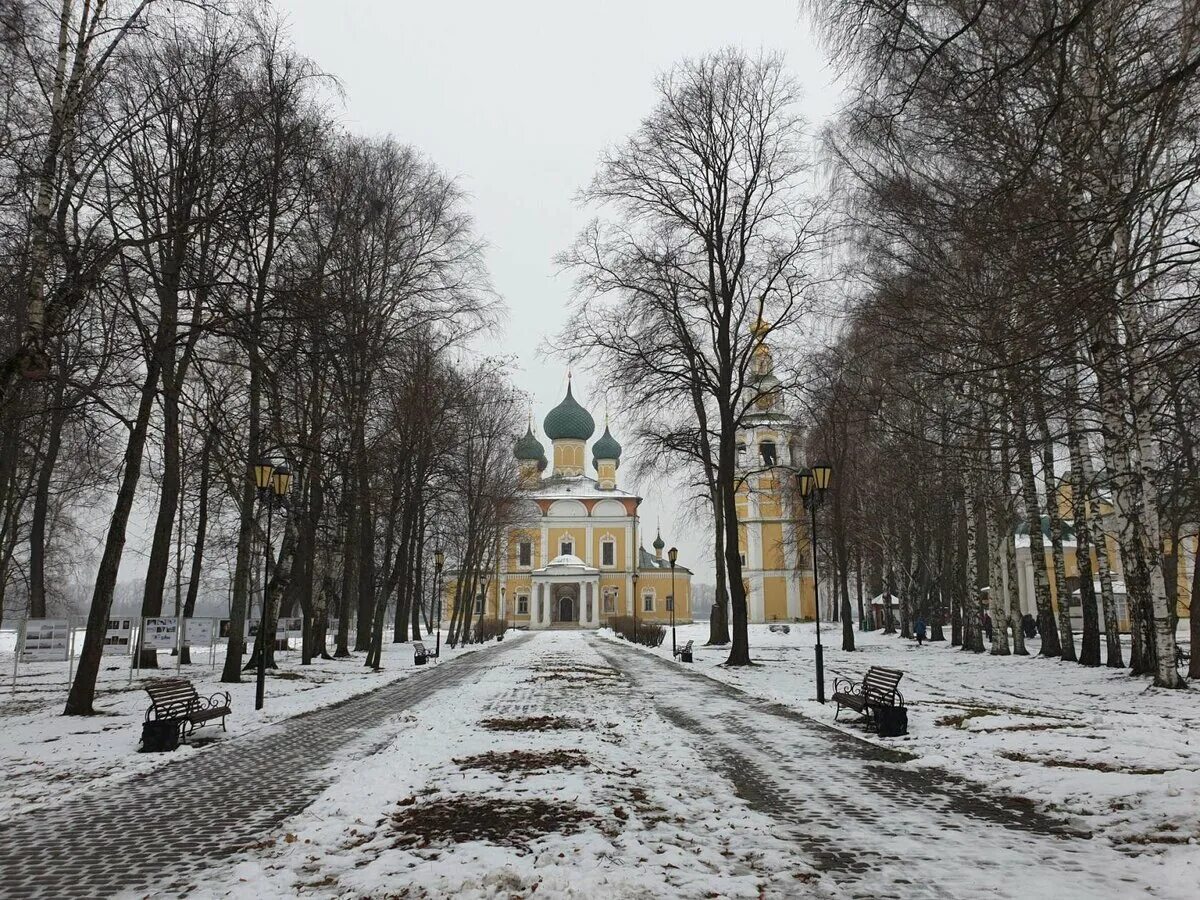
877,690
176,700
685,652
420,654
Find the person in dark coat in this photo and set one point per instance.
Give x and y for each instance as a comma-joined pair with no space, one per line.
1028,625
987,626
919,630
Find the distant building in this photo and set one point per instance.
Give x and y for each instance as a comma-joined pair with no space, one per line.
574,567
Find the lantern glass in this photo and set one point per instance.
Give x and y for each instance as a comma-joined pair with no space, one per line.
262,474
822,474
672,555
281,481
439,558
804,480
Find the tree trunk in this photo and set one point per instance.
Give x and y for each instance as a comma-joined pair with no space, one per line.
83,688
41,502
1047,627
193,592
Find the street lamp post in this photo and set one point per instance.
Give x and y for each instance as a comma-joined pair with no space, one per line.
273,483
813,483
672,555
635,606
439,560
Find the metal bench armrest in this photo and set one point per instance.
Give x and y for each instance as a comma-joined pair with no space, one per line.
846,686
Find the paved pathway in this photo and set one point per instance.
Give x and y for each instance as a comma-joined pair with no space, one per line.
878,825
151,830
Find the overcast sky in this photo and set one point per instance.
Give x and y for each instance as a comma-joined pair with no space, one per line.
517,100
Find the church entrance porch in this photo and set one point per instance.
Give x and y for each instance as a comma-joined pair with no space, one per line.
566,595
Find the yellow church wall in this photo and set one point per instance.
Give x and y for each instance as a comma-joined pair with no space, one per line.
619,535
660,582
578,534
515,536
772,538
775,598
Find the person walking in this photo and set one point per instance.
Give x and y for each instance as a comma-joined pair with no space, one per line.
919,630
987,626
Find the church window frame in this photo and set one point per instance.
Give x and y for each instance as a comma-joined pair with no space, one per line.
566,545
608,600
522,604
480,604
648,599
608,551
525,553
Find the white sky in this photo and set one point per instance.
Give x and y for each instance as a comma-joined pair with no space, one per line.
518,99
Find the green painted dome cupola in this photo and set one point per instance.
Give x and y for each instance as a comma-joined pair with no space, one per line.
569,426
531,457
606,459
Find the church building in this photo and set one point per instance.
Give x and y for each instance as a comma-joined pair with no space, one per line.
579,559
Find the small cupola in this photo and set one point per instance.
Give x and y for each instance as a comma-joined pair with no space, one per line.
531,458
606,459
658,544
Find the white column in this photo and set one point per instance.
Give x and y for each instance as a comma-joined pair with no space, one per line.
587,537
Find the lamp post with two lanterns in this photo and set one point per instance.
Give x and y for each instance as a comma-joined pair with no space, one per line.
813,484
273,483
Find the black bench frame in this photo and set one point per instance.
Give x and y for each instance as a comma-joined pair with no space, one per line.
420,654
176,700
878,689
685,649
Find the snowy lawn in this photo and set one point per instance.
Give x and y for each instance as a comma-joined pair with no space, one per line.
1118,753
548,774
47,758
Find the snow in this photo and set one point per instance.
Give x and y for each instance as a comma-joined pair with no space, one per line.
660,825
47,758
1109,751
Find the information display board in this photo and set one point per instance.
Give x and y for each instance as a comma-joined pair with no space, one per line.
46,639
161,633
118,637
290,628
199,632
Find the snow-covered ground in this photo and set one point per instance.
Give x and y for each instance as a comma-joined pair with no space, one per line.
1097,744
476,797
47,758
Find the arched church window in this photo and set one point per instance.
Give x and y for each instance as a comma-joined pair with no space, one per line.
522,605
769,456
648,602
566,547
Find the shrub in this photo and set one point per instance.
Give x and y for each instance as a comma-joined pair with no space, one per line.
648,633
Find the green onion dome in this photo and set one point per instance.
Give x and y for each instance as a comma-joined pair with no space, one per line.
530,448
659,543
569,421
606,448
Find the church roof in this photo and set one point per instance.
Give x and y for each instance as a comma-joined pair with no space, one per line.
648,561
574,487
569,420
